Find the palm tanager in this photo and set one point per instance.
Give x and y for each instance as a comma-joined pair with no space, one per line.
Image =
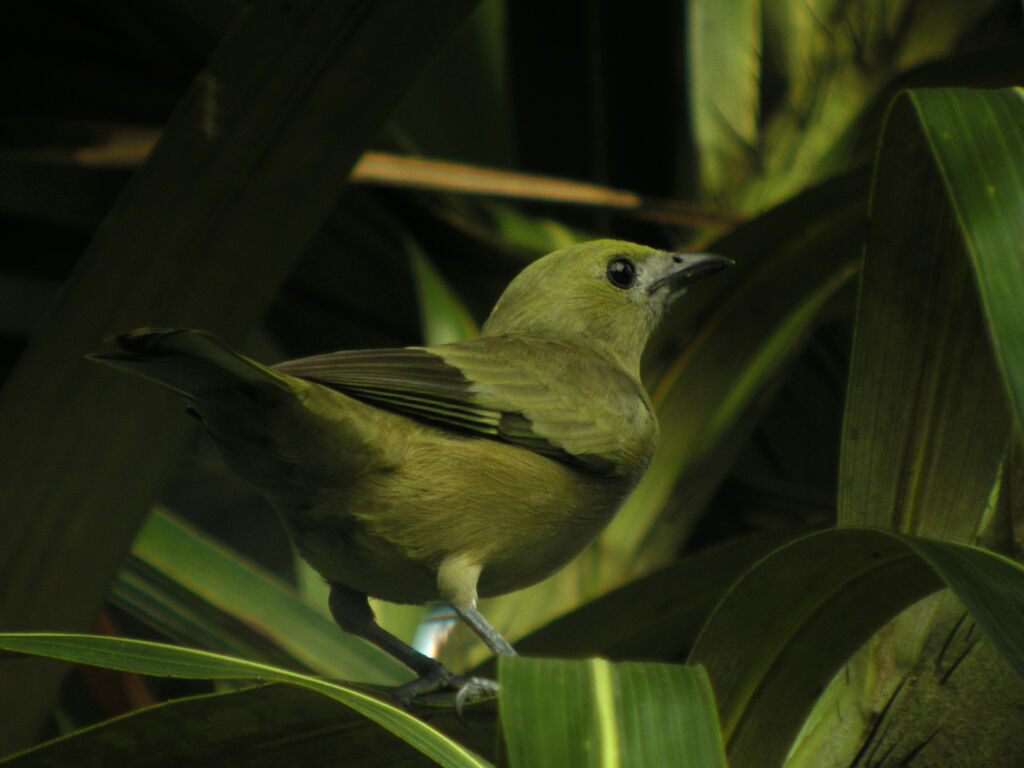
449,472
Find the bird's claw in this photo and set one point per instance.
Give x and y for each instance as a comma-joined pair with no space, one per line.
467,689
437,679
473,689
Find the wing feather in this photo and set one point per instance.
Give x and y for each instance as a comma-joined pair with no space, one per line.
551,398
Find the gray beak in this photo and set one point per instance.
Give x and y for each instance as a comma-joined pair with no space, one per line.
688,268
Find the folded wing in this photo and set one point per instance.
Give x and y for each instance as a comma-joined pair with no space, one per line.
550,397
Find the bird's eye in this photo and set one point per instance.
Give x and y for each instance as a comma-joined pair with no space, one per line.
621,272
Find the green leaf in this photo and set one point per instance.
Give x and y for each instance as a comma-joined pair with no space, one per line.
531,233
939,340
596,713
990,585
817,66
270,725
935,375
148,658
782,632
183,582
724,47
657,616
975,139
443,315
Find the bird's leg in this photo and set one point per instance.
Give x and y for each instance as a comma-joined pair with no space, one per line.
475,688
456,581
491,637
353,613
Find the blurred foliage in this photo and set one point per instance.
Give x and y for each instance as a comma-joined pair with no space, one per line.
746,128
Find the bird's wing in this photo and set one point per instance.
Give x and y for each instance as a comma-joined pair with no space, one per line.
546,396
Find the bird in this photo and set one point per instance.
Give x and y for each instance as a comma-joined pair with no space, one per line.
451,472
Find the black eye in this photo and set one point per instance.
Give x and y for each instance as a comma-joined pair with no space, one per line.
621,272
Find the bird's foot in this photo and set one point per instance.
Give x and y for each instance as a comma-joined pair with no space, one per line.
474,689
467,689
436,679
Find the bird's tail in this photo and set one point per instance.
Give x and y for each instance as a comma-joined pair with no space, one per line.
194,364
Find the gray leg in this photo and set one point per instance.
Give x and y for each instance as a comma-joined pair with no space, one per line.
476,621
456,582
476,688
353,613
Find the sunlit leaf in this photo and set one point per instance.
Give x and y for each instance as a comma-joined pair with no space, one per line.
185,583
724,47
595,713
444,317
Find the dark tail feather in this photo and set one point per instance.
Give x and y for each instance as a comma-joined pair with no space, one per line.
194,364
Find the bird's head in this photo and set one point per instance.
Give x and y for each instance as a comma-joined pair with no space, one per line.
605,294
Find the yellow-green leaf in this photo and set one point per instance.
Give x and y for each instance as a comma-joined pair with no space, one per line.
595,713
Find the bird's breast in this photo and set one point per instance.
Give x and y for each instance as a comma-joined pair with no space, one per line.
377,501
519,514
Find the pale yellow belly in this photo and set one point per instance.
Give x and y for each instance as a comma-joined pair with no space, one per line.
518,514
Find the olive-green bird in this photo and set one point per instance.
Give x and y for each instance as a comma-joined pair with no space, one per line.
450,472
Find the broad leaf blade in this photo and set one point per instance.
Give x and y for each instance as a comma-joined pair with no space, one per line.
926,423
978,146
924,382
990,585
782,632
656,617
148,658
596,713
268,726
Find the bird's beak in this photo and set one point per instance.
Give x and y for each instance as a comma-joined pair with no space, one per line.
686,268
